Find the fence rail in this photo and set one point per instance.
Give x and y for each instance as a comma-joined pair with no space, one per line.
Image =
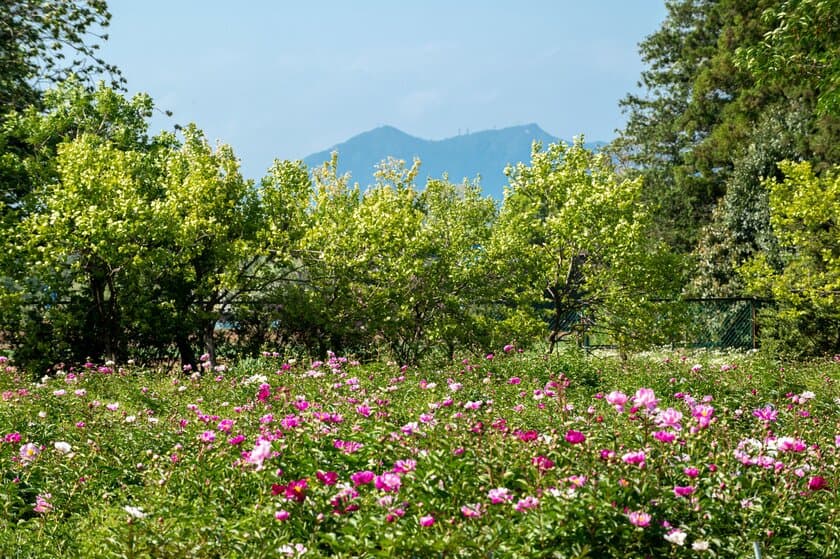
719,322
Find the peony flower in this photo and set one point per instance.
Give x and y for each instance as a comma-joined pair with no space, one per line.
683,490
639,518
636,457
42,503
388,482
499,495
703,413
526,504
426,521
62,447
542,463
676,537
29,452
669,418
664,436
261,452
617,399
474,510
575,437
766,414
327,478
646,398
362,478
817,482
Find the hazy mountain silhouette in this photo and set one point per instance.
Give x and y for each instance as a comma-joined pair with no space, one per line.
483,154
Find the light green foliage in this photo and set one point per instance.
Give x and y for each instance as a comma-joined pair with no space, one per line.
804,214
572,231
393,268
130,240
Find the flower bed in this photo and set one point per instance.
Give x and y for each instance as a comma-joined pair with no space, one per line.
516,455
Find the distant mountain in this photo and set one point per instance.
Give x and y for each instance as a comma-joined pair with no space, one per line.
483,154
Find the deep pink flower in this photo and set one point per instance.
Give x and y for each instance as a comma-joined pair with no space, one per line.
426,521
282,515
225,425
790,444
327,478
362,478
664,436
363,410
264,392
233,441
527,436
542,463
296,490
208,436
574,437
683,490
691,472
817,482
766,414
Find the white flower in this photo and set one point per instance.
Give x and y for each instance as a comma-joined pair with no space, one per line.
700,545
136,512
130,418
63,447
676,536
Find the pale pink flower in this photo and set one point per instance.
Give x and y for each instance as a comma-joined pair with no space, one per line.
499,495
617,399
42,503
29,452
636,457
646,398
388,482
261,452
474,510
526,504
669,418
639,518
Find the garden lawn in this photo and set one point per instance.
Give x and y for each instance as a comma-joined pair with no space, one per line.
513,455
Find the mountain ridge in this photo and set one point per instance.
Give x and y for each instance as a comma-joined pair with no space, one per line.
483,154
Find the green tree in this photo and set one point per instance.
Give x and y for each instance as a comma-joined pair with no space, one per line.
50,313
574,232
43,42
805,216
800,53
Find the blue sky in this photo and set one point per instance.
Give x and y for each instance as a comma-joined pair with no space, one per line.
278,79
